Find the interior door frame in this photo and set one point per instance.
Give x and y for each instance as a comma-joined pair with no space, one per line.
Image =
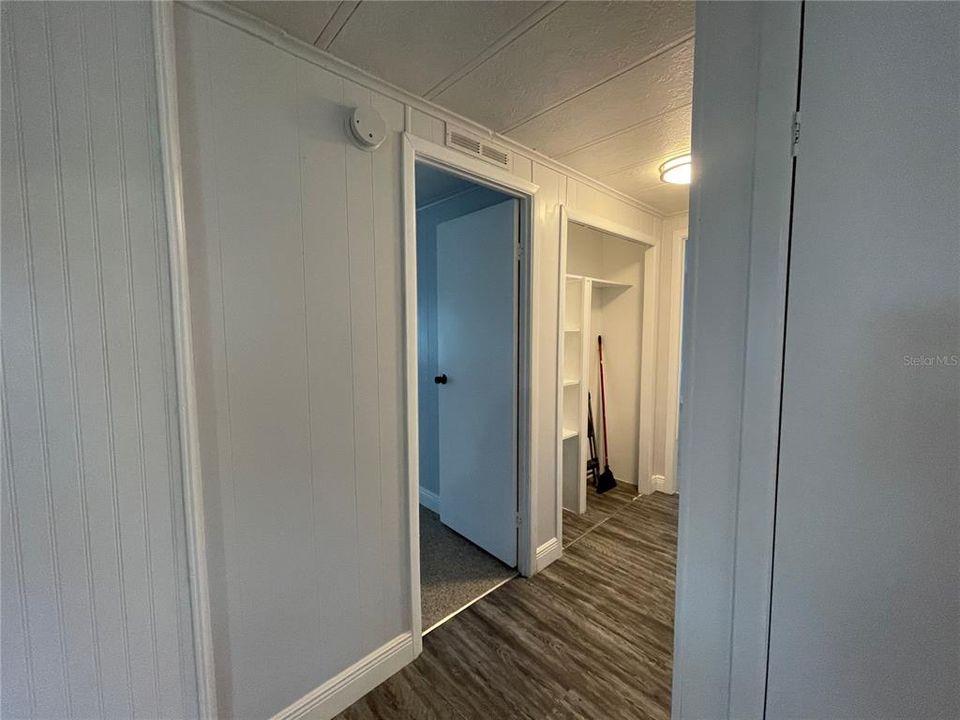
415,150
678,252
165,69
648,344
746,78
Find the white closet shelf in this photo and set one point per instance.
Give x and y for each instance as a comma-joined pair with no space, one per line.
600,282
568,433
571,330
570,382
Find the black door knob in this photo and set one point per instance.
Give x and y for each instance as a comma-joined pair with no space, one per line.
441,379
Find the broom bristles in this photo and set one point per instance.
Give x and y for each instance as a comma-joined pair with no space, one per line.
606,481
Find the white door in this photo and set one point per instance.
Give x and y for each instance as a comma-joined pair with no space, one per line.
477,354
866,579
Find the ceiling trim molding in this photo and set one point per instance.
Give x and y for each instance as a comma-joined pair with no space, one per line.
493,49
663,49
282,40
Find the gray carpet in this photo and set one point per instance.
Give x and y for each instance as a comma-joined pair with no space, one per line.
453,571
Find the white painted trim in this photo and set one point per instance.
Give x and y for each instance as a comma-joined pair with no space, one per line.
348,686
529,420
550,551
742,122
468,167
658,483
672,423
169,123
648,368
429,499
648,352
586,355
417,149
561,345
252,25
605,225
408,171
781,28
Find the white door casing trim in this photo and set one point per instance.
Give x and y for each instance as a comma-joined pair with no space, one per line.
551,550
679,239
188,422
416,149
745,93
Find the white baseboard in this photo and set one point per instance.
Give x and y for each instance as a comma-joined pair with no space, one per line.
660,483
344,689
551,550
430,500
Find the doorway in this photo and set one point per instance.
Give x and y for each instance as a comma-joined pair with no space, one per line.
467,337
467,355
608,303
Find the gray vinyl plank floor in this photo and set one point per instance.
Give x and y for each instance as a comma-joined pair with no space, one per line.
589,637
600,508
453,571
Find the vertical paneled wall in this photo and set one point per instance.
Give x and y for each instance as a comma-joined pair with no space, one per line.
295,238
95,608
295,241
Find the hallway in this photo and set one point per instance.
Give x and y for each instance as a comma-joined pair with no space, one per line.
589,637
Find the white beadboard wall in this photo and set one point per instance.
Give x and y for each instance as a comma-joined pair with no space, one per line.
95,606
295,241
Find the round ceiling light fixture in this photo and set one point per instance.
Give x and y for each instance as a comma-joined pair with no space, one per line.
676,171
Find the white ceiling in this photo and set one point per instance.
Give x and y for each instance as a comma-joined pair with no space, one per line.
604,87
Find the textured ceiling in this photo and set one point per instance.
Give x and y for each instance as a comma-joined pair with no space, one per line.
604,87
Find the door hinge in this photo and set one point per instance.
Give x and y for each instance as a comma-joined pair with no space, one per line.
795,134
518,251
518,519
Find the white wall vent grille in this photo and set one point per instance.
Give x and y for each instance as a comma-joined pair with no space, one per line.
478,147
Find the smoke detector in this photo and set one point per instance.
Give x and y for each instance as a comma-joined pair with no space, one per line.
367,128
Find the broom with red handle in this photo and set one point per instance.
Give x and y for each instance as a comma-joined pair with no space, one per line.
606,481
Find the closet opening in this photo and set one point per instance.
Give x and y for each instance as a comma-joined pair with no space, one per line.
467,354
606,411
